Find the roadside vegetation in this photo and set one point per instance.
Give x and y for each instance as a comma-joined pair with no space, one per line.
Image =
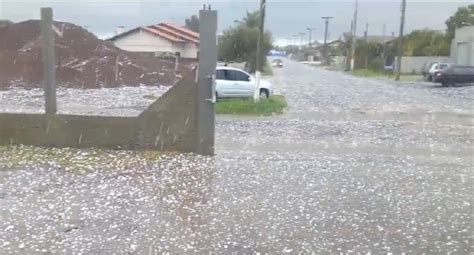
266,107
378,74
373,54
239,42
267,69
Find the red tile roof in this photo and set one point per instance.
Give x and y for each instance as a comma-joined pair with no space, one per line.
158,32
167,31
183,30
177,32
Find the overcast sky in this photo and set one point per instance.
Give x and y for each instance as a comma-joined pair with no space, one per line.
284,17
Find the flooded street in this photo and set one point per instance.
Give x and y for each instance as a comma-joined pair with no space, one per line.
355,165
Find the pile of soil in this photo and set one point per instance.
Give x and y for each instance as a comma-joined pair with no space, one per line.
83,60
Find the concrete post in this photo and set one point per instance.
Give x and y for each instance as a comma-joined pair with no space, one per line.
206,79
49,60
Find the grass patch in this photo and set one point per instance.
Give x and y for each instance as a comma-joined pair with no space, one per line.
370,73
266,107
76,161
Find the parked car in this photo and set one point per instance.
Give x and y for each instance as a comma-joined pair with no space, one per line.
455,74
436,68
234,83
277,63
426,68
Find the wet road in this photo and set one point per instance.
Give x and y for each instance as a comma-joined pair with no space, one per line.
356,165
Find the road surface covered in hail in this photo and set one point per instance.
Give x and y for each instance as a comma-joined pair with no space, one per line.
355,165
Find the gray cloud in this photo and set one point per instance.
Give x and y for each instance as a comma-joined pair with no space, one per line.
284,18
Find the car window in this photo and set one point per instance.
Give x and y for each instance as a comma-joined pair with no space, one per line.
237,75
220,75
443,66
435,66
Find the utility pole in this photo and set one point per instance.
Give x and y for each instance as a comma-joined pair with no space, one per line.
310,31
400,40
354,36
261,28
259,63
295,40
326,39
301,39
366,60
383,49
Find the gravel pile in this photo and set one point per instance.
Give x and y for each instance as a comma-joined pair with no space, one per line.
83,60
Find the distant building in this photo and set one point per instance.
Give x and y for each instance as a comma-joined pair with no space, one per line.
462,46
159,39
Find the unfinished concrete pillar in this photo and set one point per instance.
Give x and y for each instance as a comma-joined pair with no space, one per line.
49,60
205,85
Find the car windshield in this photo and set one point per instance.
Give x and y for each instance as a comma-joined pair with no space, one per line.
236,127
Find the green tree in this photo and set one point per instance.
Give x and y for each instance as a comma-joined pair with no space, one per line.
464,16
192,23
426,43
252,19
239,43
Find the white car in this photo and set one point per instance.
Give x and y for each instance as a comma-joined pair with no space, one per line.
234,83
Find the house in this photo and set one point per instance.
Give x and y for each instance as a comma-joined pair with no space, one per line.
317,49
462,46
159,39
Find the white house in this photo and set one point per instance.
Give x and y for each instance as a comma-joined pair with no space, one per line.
160,38
462,46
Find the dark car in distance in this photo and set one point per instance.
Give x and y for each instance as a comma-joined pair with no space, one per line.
277,63
455,74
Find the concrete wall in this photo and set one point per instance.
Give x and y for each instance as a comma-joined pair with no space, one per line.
415,64
67,131
141,41
462,46
168,124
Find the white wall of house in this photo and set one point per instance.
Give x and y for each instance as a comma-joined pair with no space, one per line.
413,65
190,50
141,41
462,46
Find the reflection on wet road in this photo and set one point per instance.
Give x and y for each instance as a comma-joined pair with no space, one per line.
356,165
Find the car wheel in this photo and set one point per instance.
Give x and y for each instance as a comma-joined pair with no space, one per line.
264,93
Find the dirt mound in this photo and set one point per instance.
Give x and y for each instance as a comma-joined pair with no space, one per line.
83,60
